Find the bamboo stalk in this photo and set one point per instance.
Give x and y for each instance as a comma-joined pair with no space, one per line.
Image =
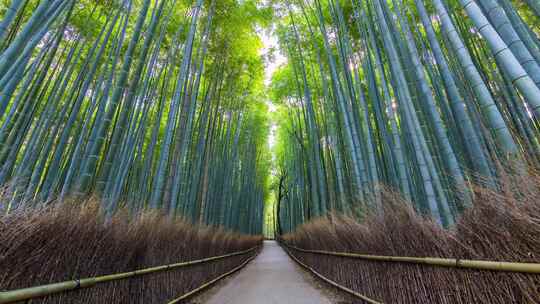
49,289
443,262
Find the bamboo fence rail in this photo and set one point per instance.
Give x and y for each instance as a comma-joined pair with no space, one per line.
327,280
212,282
533,268
13,296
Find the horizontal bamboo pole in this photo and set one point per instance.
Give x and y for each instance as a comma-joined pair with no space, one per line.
212,282
13,296
327,280
444,262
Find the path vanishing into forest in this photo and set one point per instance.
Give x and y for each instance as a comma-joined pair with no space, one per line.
271,278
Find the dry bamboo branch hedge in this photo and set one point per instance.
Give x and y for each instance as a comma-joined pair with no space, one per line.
501,226
337,285
455,263
39,248
45,290
213,281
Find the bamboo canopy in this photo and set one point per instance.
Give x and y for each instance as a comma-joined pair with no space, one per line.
429,98
146,105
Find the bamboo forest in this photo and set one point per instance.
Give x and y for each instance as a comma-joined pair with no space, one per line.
270,151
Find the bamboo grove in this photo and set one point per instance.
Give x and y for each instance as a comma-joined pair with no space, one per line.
427,97
146,104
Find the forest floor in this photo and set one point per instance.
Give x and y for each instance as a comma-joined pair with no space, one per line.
271,278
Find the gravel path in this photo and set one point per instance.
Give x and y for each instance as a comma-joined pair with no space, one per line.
271,278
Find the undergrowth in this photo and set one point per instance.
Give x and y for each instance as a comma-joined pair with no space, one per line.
66,243
502,225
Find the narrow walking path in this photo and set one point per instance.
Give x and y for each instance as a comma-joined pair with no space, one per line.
272,278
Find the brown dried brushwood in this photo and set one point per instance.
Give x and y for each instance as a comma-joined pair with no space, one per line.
66,243
502,225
